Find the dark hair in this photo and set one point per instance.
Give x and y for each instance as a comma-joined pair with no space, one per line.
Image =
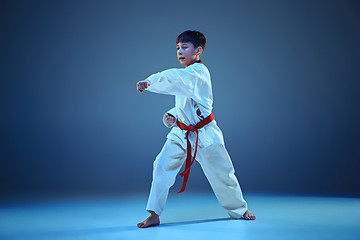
195,37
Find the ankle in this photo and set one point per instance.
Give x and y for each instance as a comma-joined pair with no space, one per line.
153,214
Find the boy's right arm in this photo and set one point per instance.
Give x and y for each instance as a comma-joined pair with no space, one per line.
142,85
185,82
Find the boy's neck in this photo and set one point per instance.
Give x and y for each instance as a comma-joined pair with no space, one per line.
198,61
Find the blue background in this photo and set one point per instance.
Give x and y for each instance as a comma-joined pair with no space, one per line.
285,78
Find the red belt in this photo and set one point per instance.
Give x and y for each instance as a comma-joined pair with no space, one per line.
189,129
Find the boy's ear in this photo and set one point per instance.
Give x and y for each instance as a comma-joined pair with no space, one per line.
199,50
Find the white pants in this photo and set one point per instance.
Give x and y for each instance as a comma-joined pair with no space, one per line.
217,166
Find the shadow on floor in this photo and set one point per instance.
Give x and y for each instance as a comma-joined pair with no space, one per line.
193,222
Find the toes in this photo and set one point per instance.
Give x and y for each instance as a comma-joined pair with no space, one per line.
250,217
149,222
143,224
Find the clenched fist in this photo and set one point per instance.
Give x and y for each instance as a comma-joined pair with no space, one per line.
170,119
142,85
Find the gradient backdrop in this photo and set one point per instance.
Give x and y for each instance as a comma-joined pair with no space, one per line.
285,78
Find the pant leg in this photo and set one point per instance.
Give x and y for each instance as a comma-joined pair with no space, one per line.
218,168
165,168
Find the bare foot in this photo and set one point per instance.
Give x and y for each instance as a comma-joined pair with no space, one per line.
248,215
152,220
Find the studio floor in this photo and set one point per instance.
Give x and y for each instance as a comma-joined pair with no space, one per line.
186,216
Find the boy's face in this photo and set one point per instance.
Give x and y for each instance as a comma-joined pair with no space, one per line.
187,53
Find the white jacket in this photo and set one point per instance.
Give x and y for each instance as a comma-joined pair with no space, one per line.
193,101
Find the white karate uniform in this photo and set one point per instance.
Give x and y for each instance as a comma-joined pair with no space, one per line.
193,102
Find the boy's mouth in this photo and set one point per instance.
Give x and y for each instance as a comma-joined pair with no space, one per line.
181,58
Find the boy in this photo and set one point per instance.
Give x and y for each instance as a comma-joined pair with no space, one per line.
195,132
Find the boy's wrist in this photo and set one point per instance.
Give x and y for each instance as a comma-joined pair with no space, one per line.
152,78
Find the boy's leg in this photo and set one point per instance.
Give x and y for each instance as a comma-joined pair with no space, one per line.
218,168
165,168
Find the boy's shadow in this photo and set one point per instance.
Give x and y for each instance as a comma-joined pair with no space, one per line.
173,224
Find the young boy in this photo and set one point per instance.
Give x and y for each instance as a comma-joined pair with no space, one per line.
195,134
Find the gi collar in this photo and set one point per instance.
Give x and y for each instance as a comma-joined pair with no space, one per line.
198,61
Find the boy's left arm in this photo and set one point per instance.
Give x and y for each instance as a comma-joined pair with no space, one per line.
169,118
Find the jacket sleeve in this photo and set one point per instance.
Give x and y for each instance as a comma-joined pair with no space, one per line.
184,82
172,112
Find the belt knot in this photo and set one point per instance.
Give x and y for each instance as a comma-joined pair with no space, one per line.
191,128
